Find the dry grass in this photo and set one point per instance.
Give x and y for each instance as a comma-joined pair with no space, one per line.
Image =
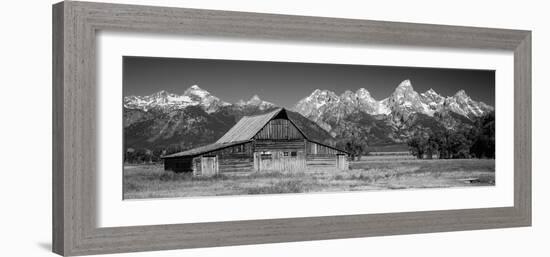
371,173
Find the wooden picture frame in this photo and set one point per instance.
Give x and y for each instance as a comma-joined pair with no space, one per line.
74,130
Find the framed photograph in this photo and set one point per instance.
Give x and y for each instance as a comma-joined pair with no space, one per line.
181,128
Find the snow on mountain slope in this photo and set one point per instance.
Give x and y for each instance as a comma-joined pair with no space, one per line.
255,101
321,102
462,104
162,100
403,102
432,100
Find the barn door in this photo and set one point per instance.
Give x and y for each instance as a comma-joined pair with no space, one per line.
257,161
265,161
341,162
209,165
279,161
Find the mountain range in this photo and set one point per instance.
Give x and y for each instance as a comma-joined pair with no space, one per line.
197,117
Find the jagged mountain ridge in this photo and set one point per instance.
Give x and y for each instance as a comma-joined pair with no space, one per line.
194,96
391,119
197,117
404,100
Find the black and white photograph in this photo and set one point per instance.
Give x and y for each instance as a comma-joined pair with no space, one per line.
206,127
136,128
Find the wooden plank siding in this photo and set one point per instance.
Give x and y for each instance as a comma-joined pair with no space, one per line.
228,164
279,129
275,145
342,162
197,166
319,149
321,156
209,165
235,158
278,161
244,149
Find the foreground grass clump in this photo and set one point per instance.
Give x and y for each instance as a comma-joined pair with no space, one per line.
371,173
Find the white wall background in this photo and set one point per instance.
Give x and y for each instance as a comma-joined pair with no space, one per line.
25,104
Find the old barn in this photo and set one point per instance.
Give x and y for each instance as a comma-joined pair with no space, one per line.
276,141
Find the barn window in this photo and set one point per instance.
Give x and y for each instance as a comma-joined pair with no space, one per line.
285,153
293,154
266,156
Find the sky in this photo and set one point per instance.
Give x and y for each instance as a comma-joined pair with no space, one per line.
285,83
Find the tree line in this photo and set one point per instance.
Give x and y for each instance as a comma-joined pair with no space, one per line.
145,155
475,141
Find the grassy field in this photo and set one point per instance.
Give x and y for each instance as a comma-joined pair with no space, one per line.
380,172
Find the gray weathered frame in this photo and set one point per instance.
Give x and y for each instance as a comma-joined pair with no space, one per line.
74,113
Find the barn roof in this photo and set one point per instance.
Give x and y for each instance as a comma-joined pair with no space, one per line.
205,149
248,127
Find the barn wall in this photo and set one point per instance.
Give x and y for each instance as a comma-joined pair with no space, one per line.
321,161
320,156
273,145
326,161
235,163
318,149
237,158
197,166
278,161
209,165
241,149
279,129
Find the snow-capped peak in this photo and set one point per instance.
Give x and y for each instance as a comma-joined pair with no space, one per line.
404,101
404,93
462,104
363,93
165,101
405,84
256,101
430,96
461,94
195,90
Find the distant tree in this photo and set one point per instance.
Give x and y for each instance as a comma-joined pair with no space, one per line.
458,146
441,139
483,137
417,145
355,144
130,156
141,155
175,148
431,146
157,153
